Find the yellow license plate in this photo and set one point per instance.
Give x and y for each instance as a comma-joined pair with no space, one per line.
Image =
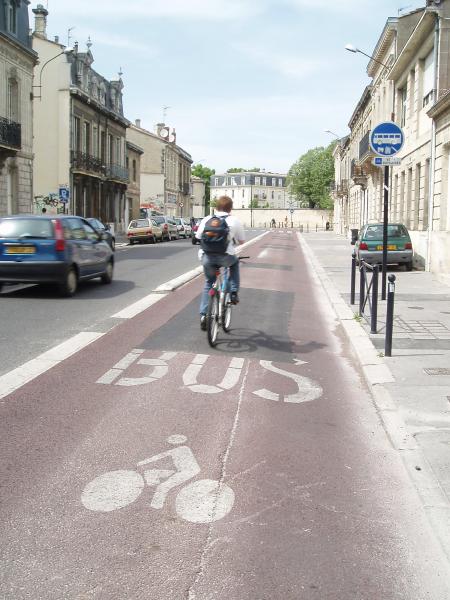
21,250
391,247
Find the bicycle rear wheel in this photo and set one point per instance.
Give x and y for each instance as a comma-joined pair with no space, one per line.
226,311
213,319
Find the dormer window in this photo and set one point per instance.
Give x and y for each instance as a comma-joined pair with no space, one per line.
11,16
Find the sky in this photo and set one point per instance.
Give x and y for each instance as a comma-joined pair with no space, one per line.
249,83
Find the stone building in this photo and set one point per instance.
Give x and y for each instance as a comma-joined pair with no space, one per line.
264,190
17,61
133,199
198,196
80,131
165,170
410,74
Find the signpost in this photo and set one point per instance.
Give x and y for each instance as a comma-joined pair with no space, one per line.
386,140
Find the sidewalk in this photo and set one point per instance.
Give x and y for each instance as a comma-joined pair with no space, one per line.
412,388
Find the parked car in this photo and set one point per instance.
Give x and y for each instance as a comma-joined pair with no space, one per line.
53,249
187,227
144,230
194,224
169,227
102,228
369,245
184,229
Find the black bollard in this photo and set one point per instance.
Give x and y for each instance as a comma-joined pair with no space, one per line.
362,281
389,316
353,279
374,309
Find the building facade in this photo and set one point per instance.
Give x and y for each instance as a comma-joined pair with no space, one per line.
17,61
198,197
410,74
133,198
80,133
257,190
165,170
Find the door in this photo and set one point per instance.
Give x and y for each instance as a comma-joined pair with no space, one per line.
98,250
80,245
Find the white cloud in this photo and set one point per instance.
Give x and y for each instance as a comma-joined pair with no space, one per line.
288,65
210,10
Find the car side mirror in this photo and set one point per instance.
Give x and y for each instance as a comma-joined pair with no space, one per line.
107,227
104,236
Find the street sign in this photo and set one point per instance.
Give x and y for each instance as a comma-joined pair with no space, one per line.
386,161
64,194
387,139
291,210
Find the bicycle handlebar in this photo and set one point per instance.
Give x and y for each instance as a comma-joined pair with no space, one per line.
242,257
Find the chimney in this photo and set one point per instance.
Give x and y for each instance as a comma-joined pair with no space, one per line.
40,21
57,39
138,123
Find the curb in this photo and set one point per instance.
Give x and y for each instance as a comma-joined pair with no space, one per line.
377,374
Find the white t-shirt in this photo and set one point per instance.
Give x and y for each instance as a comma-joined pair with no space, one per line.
236,230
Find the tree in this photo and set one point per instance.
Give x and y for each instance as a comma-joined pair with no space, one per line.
204,173
310,177
239,170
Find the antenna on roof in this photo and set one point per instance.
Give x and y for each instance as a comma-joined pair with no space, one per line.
165,109
69,37
403,8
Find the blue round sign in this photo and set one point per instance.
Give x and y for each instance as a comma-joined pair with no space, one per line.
387,139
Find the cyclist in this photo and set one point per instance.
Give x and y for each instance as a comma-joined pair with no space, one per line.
229,259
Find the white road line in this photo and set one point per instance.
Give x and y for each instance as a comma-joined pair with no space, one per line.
134,309
12,381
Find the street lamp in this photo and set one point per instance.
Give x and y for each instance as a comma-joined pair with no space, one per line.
332,133
67,52
356,50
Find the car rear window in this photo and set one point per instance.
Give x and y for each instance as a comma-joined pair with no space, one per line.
139,223
26,229
159,220
375,232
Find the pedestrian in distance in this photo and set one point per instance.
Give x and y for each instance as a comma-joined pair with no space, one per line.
219,237
274,223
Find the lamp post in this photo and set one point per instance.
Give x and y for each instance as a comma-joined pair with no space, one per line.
338,137
67,52
355,50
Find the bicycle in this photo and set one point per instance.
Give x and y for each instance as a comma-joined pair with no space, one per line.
219,305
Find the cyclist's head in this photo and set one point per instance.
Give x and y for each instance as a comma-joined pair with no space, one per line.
224,204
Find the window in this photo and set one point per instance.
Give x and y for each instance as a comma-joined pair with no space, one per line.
403,105
134,171
257,180
77,134
13,100
87,137
243,180
216,181
274,182
233,181
77,229
280,183
264,181
11,16
428,78
91,234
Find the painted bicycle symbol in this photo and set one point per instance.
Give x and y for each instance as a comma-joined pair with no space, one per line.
201,501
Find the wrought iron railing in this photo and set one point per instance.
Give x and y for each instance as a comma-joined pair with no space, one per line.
10,133
86,162
364,146
117,172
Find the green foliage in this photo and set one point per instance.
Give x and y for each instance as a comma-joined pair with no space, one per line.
310,177
254,204
204,173
239,170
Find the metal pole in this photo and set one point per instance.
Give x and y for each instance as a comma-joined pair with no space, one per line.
362,278
374,308
385,230
390,316
353,279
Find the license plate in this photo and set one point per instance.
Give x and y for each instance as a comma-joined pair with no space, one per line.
20,250
390,247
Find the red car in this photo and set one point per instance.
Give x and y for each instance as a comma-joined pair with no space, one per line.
194,224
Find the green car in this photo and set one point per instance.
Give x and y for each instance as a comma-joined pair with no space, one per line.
369,245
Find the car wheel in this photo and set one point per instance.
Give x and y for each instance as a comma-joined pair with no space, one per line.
194,241
107,276
69,286
169,237
409,266
113,244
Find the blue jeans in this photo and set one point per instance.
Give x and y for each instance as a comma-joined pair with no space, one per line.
210,264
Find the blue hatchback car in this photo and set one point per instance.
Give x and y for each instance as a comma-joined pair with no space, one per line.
53,249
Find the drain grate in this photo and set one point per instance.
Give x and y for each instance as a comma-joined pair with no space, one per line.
437,371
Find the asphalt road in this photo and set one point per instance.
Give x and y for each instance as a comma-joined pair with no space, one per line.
151,466
34,319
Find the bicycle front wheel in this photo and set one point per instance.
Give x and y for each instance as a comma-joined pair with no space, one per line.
213,319
226,311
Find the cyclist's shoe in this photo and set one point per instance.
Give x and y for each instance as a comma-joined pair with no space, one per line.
234,298
203,322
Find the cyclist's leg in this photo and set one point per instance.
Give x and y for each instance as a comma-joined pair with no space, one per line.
234,279
209,270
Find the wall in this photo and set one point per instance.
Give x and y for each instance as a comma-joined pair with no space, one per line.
304,216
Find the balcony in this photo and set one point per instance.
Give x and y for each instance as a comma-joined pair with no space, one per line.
342,188
117,173
185,188
87,163
364,148
10,134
